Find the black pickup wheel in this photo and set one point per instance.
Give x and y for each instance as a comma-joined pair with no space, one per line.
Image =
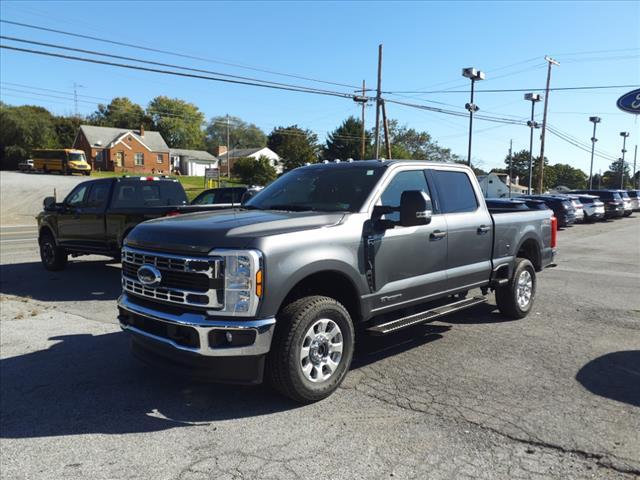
515,299
53,257
311,350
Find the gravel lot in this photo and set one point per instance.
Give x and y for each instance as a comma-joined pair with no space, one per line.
556,395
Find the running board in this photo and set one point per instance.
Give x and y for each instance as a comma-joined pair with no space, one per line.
417,318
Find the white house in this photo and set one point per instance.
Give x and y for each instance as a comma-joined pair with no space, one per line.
191,162
255,153
496,185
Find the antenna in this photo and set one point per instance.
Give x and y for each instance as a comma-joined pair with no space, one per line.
75,96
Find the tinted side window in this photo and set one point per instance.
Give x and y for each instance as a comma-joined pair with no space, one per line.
403,181
206,199
150,194
76,197
455,192
98,195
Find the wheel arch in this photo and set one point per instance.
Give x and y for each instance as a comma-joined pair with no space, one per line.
531,249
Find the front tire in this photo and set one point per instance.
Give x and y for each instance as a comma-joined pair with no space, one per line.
311,350
515,299
53,258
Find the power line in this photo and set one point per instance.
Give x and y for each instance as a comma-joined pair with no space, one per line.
178,74
149,62
503,90
177,54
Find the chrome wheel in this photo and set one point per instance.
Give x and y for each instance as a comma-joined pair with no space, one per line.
321,350
524,289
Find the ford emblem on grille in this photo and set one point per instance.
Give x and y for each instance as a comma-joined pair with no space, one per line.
149,275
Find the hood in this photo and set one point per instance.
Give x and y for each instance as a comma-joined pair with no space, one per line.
203,231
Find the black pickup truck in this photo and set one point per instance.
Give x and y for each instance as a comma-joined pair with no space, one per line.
98,214
282,284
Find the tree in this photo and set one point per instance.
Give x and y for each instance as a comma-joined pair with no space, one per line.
23,129
179,122
567,176
520,169
120,113
254,172
294,145
611,178
409,143
66,129
241,134
346,141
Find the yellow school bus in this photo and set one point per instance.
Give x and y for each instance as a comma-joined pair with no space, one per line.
65,160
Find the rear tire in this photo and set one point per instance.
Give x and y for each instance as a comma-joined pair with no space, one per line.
53,257
515,299
311,350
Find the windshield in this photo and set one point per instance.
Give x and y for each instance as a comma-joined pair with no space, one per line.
328,189
77,157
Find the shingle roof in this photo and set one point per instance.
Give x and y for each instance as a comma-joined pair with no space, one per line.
103,136
195,154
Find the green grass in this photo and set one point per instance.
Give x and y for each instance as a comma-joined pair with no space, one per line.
193,186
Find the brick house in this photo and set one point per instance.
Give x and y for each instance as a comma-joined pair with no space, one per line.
123,150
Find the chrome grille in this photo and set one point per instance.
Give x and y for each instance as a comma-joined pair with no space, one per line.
193,281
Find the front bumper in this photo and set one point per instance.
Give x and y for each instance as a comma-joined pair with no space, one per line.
194,333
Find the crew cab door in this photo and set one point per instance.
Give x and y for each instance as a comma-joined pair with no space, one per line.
469,228
409,263
92,216
70,227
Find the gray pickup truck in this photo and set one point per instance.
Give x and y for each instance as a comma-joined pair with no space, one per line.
281,287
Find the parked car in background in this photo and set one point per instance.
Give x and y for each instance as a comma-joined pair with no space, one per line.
516,203
577,204
613,204
628,207
634,195
593,207
225,197
26,166
562,207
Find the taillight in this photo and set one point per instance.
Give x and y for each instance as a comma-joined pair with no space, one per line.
554,231
172,213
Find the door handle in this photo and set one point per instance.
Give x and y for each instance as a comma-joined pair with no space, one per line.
482,229
437,235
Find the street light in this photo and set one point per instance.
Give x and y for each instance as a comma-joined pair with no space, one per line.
533,98
595,121
624,136
474,75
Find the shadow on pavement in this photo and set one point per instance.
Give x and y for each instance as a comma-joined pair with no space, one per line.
87,280
615,376
91,384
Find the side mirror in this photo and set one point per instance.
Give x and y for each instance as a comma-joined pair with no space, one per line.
49,203
246,196
415,208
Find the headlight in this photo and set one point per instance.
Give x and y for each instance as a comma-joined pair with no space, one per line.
243,281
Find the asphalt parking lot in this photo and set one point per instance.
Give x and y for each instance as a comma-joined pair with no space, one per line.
556,395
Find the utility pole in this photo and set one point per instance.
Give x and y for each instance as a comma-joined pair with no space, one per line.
551,62
386,130
364,104
75,96
378,98
533,98
228,150
510,165
624,136
635,157
595,121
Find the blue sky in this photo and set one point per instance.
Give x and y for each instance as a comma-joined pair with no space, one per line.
425,47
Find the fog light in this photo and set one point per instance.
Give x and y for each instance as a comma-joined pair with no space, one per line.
229,337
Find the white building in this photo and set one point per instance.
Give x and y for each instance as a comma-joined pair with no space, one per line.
496,185
254,153
191,162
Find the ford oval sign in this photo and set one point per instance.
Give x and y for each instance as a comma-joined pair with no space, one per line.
630,102
149,275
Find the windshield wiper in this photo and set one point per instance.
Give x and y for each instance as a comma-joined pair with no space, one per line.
290,208
250,207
